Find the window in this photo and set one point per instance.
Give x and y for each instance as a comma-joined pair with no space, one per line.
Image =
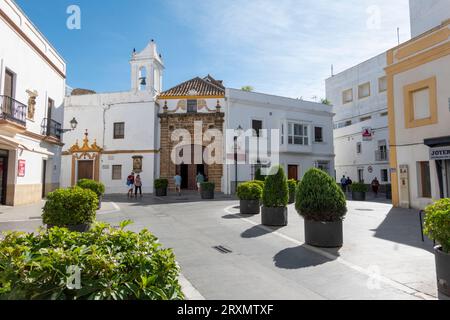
359,148
119,130
323,165
384,114
382,84
117,172
384,175
424,177
50,107
298,134
9,84
364,90
318,134
347,96
421,103
192,106
257,126
365,118
361,175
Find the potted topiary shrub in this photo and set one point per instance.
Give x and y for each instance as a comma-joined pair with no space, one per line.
359,191
292,185
321,202
437,227
161,187
72,208
207,190
259,176
275,198
249,194
97,187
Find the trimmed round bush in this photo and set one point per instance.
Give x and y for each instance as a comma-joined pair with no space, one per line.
292,185
276,191
259,183
249,191
115,265
319,198
97,187
208,186
359,187
70,207
161,183
437,223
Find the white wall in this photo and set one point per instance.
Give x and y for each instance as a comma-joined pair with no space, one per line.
427,14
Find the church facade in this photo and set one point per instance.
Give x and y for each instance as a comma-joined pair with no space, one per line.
186,130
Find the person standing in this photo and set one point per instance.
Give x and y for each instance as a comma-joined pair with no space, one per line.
138,186
130,185
375,186
200,179
344,184
178,180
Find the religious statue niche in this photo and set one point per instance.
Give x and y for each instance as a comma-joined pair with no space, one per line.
137,164
32,95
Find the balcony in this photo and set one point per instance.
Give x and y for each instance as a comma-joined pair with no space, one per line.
381,156
13,111
51,128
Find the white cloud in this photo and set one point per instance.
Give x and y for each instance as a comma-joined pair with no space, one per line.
287,47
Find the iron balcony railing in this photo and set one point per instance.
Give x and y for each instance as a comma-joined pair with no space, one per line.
13,110
381,155
51,128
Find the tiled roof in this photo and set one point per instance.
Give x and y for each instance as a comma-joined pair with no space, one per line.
208,86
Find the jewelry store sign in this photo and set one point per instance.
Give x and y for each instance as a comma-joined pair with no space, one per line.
440,153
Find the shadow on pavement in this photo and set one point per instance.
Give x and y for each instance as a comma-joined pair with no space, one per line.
257,231
298,258
403,226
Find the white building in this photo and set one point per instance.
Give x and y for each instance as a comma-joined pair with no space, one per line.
132,131
32,84
361,135
427,14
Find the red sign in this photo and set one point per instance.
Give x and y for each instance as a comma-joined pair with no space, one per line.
367,134
21,171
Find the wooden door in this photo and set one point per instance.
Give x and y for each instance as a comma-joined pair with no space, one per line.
85,170
9,84
293,172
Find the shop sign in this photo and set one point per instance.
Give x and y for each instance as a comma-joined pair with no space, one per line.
440,153
21,168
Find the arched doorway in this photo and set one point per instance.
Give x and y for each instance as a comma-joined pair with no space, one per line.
189,171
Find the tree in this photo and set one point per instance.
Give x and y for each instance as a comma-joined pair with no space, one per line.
325,101
247,88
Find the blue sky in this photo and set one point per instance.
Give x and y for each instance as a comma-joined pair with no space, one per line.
282,47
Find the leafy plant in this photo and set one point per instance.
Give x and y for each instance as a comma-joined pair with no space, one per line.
359,187
247,88
259,183
114,264
292,185
319,198
161,183
97,187
276,191
249,191
437,223
259,176
70,207
207,186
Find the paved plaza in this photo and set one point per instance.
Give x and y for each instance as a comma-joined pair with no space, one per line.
224,255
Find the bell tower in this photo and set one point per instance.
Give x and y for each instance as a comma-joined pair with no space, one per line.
147,70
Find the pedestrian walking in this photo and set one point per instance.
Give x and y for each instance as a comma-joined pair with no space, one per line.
375,186
138,186
200,179
130,185
178,180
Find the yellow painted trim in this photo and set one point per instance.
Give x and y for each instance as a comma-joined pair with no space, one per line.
189,97
130,151
423,43
408,92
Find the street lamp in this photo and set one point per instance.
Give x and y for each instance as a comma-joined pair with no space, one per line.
73,126
239,131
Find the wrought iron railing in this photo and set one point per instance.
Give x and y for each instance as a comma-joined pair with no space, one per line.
51,128
381,155
13,110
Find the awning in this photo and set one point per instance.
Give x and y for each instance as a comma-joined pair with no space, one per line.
15,143
437,142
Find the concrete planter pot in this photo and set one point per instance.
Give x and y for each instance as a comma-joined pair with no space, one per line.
250,207
443,270
274,217
161,192
85,227
207,194
324,234
358,196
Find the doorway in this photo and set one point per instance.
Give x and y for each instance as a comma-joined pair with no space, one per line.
85,169
447,174
293,172
4,155
44,177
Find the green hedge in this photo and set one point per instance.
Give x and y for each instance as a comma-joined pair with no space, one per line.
276,191
259,176
161,183
207,186
359,187
319,198
97,187
249,191
292,185
259,183
437,223
115,265
73,206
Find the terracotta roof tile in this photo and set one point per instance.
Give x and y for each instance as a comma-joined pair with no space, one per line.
207,86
